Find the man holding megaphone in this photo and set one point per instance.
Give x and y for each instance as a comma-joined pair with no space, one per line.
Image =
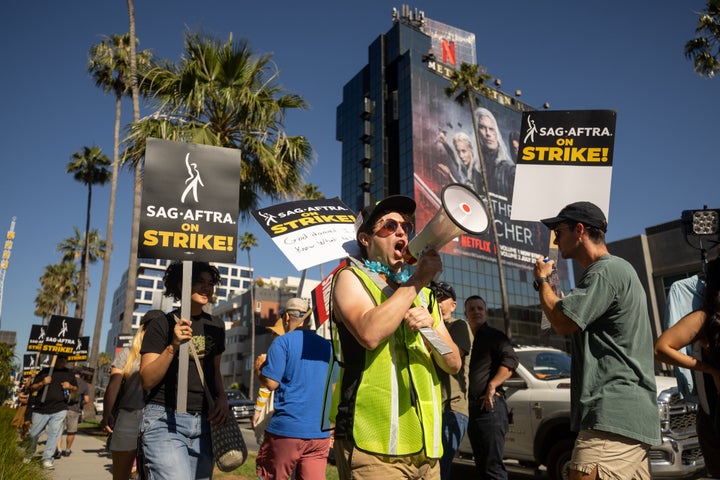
388,417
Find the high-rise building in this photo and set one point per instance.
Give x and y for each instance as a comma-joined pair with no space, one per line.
402,134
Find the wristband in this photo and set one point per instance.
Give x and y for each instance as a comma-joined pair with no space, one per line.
538,281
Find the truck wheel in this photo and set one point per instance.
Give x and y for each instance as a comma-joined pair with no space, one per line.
558,459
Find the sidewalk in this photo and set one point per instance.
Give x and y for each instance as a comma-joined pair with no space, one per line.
89,460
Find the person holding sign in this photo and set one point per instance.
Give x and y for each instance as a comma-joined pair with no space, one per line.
612,390
388,414
50,412
177,446
75,403
296,367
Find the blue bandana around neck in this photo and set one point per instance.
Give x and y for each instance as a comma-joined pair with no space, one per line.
377,267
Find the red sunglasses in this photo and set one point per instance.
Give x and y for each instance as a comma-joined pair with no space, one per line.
390,226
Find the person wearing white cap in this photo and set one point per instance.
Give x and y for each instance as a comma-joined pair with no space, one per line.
388,408
295,369
612,390
290,318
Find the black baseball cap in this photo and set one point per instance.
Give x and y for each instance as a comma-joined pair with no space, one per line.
586,213
444,289
367,217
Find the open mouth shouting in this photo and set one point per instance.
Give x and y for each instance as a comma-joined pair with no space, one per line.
400,247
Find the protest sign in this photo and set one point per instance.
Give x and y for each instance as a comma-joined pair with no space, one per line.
124,340
310,232
564,157
30,365
37,337
61,335
190,202
320,296
80,353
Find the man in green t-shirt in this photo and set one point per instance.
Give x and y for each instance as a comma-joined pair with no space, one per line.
613,394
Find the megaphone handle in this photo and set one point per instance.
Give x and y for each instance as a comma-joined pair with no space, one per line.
436,277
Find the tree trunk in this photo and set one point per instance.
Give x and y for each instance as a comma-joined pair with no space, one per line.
95,348
127,320
251,391
82,287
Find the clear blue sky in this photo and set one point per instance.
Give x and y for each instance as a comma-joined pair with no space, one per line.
625,56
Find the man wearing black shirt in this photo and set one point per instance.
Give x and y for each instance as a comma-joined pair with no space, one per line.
50,412
492,361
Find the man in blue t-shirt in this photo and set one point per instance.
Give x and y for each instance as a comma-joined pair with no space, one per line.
296,369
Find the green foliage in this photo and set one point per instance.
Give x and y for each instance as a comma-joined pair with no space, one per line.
465,82
704,48
7,357
71,248
11,456
221,93
310,191
104,359
58,286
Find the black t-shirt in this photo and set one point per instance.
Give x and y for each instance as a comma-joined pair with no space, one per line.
54,400
491,348
209,340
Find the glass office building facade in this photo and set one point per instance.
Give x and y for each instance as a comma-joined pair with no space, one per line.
401,134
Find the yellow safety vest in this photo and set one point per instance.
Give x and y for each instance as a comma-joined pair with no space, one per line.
398,406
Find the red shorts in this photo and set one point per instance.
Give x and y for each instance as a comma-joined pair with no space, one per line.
279,456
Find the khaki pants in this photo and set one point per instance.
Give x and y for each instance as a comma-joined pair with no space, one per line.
355,464
616,457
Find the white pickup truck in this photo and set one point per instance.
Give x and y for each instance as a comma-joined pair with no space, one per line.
538,395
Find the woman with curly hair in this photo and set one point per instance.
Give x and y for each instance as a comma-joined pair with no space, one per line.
178,446
701,328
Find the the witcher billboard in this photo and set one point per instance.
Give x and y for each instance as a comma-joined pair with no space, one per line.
445,151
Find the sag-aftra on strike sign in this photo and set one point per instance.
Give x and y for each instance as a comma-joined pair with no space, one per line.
190,202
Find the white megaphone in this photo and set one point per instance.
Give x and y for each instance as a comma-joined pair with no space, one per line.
461,211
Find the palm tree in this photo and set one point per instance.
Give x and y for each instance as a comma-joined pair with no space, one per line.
704,49
45,304
71,249
221,94
248,241
310,191
89,167
58,287
104,360
464,84
109,65
127,319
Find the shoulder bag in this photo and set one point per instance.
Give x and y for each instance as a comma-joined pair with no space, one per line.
228,444
266,413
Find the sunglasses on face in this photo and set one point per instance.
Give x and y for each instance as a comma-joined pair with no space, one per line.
559,230
390,226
